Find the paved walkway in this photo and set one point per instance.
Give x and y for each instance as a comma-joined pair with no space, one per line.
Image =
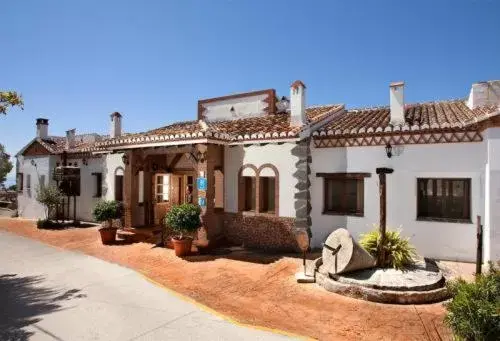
48,293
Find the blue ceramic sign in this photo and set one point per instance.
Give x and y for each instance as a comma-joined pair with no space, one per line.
201,183
202,201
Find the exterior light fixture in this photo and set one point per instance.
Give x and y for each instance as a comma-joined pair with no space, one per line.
85,162
388,150
233,112
125,159
33,163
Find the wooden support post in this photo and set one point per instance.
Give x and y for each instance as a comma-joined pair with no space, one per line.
381,256
479,249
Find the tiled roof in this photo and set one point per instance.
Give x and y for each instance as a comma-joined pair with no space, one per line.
420,116
83,143
270,126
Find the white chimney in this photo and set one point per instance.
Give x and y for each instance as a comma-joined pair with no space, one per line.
70,138
298,104
42,128
116,125
397,103
484,93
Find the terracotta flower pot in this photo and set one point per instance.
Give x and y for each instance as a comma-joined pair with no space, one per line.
108,235
182,247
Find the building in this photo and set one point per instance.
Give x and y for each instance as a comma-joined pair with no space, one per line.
262,168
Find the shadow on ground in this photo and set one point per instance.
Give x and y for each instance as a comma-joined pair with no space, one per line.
23,300
246,255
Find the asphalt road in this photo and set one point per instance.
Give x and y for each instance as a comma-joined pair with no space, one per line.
52,294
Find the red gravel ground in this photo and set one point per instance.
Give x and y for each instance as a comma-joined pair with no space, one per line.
253,292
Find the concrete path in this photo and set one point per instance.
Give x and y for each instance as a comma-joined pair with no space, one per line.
52,294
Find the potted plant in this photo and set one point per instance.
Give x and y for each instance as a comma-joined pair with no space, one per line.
104,212
183,219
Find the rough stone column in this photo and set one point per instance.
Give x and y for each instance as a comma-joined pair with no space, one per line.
130,190
303,196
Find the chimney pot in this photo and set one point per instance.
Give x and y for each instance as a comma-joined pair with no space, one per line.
298,104
484,93
397,103
70,138
116,125
42,128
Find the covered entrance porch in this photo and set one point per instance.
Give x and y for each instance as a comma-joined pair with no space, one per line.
157,178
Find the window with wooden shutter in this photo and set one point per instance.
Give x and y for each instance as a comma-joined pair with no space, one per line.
343,193
119,187
443,199
98,185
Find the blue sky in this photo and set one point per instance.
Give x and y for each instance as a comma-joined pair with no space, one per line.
77,61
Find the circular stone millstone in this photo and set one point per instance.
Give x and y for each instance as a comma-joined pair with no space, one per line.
422,283
350,256
419,277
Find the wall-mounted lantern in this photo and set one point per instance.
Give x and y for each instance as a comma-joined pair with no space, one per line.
85,162
388,150
125,159
33,163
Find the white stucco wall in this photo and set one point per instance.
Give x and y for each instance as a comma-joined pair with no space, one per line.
455,241
278,155
491,221
106,164
113,163
28,206
243,107
88,188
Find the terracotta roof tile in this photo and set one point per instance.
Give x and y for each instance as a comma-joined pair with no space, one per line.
431,115
83,143
270,126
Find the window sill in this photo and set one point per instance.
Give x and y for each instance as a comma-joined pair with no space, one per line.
445,220
343,214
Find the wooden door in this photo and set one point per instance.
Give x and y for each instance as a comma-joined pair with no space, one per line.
176,185
161,200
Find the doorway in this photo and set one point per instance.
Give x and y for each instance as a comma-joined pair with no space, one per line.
169,190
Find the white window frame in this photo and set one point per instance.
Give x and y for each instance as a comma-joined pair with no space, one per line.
162,190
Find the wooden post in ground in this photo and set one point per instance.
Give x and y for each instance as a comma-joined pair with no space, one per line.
479,249
381,256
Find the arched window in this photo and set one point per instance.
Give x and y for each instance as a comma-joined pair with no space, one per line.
268,194
247,189
119,184
258,189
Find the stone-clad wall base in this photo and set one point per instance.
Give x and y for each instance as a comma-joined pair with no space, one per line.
263,232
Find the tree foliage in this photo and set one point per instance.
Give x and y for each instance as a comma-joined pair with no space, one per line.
183,219
5,164
10,99
106,210
49,196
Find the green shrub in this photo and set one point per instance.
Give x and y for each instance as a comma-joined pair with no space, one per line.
400,253
183,219
107,210
474,311
47,224
43,223
49,196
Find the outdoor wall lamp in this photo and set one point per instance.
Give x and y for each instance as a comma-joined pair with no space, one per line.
125,159
33,163
388,150
85,162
